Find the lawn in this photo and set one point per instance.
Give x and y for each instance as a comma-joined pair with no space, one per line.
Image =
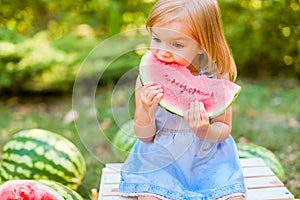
267,113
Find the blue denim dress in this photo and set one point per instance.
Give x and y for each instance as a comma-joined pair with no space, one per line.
179,165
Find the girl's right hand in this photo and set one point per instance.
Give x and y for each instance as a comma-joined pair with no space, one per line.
150,95
147,98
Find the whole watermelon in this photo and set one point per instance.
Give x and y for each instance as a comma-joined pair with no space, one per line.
41,154
250,150
36,190
124,140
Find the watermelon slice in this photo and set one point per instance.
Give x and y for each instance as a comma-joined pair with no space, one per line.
180,87
27,190
36,190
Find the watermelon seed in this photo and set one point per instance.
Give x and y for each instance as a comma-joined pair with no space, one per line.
184,87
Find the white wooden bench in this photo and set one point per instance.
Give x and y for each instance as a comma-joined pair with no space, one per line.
260,180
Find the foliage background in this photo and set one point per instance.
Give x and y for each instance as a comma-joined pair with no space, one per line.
43,43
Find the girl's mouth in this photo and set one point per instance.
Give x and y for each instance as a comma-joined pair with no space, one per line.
164,62
191,68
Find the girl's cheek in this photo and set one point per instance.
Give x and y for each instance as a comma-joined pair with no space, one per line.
153,51
182,61
153,47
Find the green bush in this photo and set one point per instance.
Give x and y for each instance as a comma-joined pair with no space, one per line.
264,36
35,64
43,43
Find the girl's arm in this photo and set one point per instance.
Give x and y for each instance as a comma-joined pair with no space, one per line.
146,98
220,127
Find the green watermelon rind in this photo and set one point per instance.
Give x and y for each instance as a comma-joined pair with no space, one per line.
124,139
250,150
126,132
216,113
178,111
1,173
66,192
35,154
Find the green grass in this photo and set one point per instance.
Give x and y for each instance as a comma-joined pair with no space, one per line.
267,113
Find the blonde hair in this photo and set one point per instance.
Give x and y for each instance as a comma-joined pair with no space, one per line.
204,21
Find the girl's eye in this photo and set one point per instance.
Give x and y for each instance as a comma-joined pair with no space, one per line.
178,45
155,39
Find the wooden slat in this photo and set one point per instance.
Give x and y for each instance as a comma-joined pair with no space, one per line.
109,178
280,193
257,171
114,166
110,189
260,181
252,162
118,198
111,170
263,182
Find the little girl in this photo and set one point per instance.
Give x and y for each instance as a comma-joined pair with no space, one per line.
190,157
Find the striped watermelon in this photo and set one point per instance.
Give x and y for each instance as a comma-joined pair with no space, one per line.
40,154
124,140
36,190
250,150
64,191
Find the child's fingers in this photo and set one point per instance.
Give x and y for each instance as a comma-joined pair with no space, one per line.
197,111
192,114
152,86
157,98
197,119
152,89
203,113
153,93
187,114
196,114
149,99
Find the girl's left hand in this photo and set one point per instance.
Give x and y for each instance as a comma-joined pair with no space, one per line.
197,119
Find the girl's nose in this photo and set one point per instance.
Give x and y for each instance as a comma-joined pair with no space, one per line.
164,54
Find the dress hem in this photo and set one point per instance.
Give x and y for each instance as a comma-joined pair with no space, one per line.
142,194
134,190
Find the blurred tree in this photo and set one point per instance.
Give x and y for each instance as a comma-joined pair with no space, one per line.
43,43
264,36
106,16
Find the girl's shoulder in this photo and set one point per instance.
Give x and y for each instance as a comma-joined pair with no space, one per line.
214,74
210,68
225,76
209,71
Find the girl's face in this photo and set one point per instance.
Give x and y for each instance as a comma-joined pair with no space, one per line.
173,42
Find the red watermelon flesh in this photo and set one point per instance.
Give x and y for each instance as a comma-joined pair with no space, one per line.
180,87
27,190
